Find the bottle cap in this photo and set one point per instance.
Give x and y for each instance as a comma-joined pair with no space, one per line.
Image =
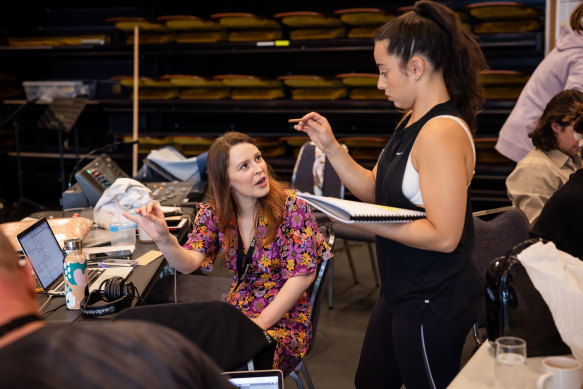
73,244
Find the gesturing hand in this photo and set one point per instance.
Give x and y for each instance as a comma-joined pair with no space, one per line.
151,218
318,129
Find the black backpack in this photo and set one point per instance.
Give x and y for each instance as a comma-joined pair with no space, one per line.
515,308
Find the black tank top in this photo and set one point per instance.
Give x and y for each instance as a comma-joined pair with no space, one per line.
414,279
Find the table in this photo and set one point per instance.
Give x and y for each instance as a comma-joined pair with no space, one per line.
478,373
143,277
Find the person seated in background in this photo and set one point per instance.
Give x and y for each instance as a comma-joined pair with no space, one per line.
561,69
560,218
37,354
556,155
271,241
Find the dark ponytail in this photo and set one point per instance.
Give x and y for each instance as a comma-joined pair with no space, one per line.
436,32
577,19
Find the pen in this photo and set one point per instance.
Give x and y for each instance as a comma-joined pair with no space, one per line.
103,265
294,120
117,262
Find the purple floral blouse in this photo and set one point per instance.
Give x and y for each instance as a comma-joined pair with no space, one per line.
296,250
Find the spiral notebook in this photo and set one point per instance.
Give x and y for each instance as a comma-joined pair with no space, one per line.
348,211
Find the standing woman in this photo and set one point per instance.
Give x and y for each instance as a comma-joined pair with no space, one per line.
429,67
271,242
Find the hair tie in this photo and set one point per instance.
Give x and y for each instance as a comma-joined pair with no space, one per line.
419,11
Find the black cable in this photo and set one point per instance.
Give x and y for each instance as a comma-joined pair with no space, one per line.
47,313
17,111
84,157
137,295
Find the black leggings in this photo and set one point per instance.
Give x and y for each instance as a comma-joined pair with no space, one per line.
416,352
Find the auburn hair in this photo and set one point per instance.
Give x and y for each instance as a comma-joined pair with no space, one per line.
576,19
436,32
271,207
563,110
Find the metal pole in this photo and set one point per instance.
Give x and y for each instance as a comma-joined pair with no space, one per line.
135,106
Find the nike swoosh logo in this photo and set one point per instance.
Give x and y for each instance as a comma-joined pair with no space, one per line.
398,153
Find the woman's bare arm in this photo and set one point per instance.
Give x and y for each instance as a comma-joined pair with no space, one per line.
286,298
444,158
360,181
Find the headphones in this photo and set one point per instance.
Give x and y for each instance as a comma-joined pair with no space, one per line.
113,295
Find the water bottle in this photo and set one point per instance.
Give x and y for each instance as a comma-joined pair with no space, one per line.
75,273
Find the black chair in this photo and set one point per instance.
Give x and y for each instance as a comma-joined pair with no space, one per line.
496,231
303,180
316,296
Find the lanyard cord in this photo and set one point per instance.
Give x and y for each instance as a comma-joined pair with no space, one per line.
243,261
17,323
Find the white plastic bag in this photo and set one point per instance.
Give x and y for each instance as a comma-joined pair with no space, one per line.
124,195
558,277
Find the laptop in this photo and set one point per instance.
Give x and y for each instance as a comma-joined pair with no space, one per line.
256,379
46,257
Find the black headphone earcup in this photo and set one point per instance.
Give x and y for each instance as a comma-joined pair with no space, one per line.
113,295
112,288
124,287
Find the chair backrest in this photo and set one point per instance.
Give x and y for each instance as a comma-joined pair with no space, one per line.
495,237
317,287
303,177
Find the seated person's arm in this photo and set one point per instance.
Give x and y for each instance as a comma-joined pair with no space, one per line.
286,298
301,274
151,219
185,261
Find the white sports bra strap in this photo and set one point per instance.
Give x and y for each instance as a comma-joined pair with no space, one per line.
465,127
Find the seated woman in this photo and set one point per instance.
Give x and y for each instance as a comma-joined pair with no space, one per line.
271,242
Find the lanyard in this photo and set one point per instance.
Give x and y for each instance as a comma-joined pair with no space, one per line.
243,261
17,323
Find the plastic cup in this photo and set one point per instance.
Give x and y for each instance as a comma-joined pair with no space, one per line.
122,234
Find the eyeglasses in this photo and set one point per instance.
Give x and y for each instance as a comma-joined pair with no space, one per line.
21,261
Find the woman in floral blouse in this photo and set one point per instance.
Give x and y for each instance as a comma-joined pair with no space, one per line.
271,242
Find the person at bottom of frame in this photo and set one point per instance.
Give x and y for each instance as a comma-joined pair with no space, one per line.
37,354
430,289
271,240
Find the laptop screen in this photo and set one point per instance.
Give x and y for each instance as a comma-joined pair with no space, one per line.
42,249
256,379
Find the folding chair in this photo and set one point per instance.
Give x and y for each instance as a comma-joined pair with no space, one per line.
303,180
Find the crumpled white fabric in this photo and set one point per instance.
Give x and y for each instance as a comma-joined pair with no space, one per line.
558,277
124,195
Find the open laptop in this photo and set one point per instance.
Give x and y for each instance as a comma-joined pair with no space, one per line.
256,379
46,257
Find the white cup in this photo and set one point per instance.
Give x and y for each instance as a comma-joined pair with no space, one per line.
510,368
560,373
